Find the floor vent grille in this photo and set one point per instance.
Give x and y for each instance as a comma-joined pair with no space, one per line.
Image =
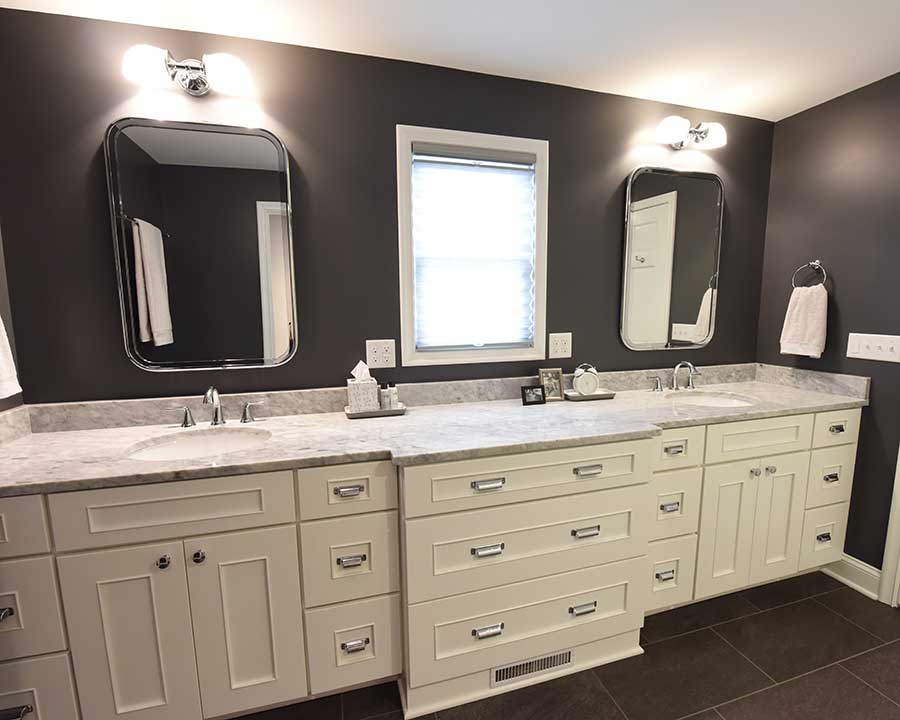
535,666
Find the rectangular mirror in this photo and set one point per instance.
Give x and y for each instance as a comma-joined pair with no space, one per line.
204,251
673,231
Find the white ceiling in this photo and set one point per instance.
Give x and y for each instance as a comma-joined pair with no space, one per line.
762,58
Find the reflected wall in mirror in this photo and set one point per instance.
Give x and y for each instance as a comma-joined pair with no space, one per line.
673,231
204,251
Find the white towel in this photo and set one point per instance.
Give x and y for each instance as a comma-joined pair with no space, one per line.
9,382
701,327
805,322
151,284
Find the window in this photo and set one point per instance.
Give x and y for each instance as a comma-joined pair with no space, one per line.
473,246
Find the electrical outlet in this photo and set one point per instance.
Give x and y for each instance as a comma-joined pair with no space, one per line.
380,354
874,347
560,345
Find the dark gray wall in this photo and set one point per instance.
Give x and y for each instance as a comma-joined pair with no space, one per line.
6,317
337,115
835,196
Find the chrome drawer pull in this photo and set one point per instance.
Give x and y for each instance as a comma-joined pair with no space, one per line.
586,532
837,428
6,613
670,507
488,631
350,561
489,550
824,537
832,477
672,450
586,609
16,713
349,491
665,575
588,471
354,646
484,485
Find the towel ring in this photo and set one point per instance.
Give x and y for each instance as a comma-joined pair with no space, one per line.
815,265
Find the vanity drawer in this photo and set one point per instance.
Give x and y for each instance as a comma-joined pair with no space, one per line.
824,530
23,526
485,482
830,475
679,448
459,553
30,615
126,515
837,427
464,634
354,643
347,489
44,683
672,565
752,438
348,558
676,510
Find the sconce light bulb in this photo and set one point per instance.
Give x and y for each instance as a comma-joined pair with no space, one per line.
716,136
145,65
673,130
229,75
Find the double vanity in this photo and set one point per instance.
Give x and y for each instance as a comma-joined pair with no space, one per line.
466,549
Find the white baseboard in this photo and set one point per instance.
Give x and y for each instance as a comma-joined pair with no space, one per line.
854,573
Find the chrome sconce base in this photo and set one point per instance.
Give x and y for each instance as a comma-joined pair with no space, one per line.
190,75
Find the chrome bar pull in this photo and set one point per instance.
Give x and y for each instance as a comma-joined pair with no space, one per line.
491,484
586,532
671,507
832,477
6,612
665,575
349,491
823,537
837,428
489,550
584,609
488,631
354,646
587,471
351,561
16,713
674,450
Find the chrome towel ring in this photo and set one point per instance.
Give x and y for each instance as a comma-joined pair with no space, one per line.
815,265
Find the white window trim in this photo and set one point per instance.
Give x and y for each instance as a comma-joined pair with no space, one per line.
540,149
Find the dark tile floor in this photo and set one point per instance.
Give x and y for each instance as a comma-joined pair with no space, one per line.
806,648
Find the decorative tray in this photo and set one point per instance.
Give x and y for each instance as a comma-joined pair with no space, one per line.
600,394
389,412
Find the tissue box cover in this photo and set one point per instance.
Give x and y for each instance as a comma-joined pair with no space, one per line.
362,395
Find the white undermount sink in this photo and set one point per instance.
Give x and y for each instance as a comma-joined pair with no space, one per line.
207,442
706,398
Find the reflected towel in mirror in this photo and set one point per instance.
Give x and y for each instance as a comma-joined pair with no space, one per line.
805,322
151,284
9,382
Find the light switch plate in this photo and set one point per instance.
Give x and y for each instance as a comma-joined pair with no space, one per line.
381,354
874,347
560,345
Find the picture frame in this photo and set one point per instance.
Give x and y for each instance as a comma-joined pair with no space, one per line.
533,395
552,381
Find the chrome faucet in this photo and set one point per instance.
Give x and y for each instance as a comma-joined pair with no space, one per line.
212,398
692,371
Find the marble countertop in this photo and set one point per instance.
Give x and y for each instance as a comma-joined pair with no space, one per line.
78,460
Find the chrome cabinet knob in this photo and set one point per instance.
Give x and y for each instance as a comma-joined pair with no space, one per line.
755,472
164,562
771,469
199,557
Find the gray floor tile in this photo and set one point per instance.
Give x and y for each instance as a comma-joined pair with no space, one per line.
881,620
694,617
880,668
371,701
327,708
778,593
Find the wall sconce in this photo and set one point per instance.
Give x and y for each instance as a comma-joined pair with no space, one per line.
677,132
155,67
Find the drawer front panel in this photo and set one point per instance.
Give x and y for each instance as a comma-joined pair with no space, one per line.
119,516
458,636
349,558
838,427
679,448
44,683
471,484
30,615
672,565
831,475
480,549
753,438
676,510
23,526
824,530
354,643
347,489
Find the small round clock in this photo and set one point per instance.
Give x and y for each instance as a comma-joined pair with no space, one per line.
586,380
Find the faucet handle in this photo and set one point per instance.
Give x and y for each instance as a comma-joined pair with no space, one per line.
247,414
693,372
187,418
658,380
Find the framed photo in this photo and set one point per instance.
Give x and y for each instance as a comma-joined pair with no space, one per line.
552,380
533,395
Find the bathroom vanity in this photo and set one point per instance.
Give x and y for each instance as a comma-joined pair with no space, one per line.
463,562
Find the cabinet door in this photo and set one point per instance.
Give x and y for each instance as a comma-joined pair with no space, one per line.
779,517
248,626
129,624
726,527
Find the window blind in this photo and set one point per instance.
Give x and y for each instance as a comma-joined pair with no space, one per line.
474,244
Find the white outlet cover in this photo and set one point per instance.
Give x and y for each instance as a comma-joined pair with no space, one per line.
885,348
381,353
560,345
